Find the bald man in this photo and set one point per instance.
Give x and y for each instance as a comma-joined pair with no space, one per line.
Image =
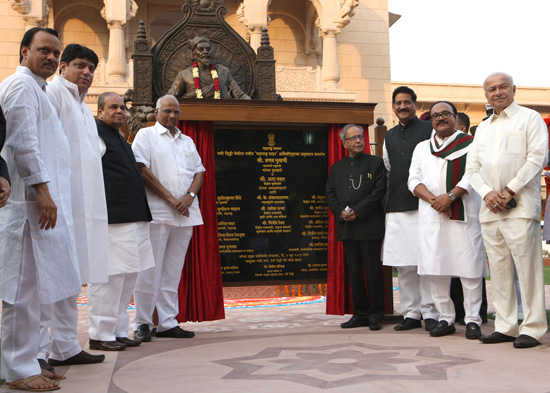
504,165
172,171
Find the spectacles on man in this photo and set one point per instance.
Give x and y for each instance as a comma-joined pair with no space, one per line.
443,115
170,111
355,137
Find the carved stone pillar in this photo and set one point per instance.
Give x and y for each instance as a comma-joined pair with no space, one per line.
116,65
331,68
34,12
117,13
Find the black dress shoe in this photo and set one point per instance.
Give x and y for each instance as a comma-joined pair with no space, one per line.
354,322
82,357
408,324
106,345
143,333
128,342
442,329
473,331
176,332
496,337
525,341
430,324
375,325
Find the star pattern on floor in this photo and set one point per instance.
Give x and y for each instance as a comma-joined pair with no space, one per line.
332,366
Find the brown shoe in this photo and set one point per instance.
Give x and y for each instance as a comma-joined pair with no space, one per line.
106,345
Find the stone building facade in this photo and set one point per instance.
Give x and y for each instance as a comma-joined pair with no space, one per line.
329,50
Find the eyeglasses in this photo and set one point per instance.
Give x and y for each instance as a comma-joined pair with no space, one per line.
170,111
355,137
443,115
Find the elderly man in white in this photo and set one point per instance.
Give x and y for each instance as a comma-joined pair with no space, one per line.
67,92
39,263
172,171
504,165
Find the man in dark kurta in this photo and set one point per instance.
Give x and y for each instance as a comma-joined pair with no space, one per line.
355,188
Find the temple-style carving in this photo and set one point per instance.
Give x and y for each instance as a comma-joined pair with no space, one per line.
265,64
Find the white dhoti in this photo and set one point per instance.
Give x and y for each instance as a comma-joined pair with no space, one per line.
400,249
129,253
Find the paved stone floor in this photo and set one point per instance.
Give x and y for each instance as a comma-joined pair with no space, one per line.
299,348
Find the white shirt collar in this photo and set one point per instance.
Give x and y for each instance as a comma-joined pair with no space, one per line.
72,87
161,130
27,71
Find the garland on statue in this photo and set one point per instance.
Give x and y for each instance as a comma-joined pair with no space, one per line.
214,73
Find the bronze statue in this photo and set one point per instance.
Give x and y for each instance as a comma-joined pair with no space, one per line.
204,79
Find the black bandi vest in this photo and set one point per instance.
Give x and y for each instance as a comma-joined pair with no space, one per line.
124,188
400,143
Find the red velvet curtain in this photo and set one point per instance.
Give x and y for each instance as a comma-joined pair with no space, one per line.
338,288
200,291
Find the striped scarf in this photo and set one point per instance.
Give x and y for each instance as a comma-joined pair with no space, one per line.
453,151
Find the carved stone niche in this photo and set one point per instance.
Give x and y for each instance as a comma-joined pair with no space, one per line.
204,18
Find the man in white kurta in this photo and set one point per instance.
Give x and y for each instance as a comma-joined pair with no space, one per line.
504,165
172,171
449,234
67,93
38,263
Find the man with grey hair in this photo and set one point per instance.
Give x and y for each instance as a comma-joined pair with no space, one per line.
355,189
504,165
172,171
214,81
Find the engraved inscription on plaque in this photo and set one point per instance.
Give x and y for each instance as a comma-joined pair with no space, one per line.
272,214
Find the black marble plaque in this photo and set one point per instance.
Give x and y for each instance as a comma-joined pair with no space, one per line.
272,213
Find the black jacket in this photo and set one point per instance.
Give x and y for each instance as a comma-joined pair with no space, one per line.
3,166
124,188
360,183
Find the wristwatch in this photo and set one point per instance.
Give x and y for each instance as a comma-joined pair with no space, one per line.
192,194
452,196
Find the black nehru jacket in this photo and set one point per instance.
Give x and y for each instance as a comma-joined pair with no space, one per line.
360,183
124,188
3,166
400,142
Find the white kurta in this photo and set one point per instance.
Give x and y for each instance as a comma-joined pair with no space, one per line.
174,161
87,187
37,151
446,247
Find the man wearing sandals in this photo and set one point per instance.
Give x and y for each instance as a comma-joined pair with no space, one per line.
39,263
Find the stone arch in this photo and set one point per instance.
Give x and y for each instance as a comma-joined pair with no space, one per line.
83,24
288,35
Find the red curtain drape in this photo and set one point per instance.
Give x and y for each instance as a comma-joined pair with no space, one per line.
200,292
338,288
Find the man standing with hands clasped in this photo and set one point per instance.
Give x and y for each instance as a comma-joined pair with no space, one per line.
504,167
355,188
172,171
